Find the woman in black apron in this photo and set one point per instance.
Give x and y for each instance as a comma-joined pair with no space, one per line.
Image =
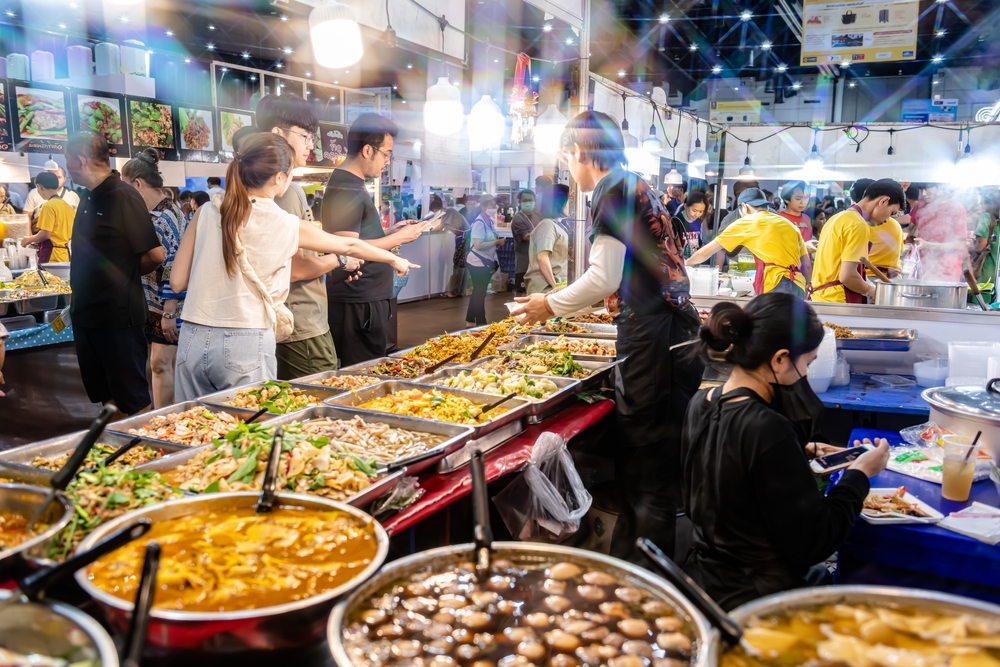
760,522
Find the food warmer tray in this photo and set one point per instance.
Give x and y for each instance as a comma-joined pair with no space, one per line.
17,461
597,331
537,410
376,490
137,421
457,434
322,393
314,379
599,371
408,352
528,341
37,304
364,368
883,340
485,436
4,305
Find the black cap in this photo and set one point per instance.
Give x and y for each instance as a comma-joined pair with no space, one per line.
753,197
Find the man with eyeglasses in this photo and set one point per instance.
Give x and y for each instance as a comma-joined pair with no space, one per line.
310,348
359,310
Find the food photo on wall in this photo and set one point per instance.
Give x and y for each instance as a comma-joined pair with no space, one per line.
41,117
104,114
151,125
198,134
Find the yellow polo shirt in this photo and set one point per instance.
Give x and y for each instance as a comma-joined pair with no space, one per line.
887,245
845,238
56,216
773,240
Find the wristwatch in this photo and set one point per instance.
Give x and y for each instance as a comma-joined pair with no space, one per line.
170,316
343,261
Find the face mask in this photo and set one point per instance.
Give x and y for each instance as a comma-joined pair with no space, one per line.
528,206
491,212
799,404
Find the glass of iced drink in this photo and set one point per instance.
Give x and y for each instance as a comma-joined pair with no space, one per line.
959,466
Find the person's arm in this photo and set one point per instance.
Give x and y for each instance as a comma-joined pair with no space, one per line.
602,278
703,253
805,266
42,235
310,267
479,242
545,266
151,259
852,280
180,273
311,238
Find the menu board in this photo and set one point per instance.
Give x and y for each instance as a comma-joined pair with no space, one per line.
331,146
41,117
151,125
865,31
230,122
6,140
104,114
198,134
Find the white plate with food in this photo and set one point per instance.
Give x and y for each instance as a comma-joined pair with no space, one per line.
897,506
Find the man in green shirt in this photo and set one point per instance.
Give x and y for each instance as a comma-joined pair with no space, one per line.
986,235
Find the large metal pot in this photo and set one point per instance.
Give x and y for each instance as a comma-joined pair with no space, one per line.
968,410
25,500
921,294
520,552
175,633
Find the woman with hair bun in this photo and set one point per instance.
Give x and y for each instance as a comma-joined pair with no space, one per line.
761,524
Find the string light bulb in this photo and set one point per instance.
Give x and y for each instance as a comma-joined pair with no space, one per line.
747,172
815,160
698,156
335,35
652,143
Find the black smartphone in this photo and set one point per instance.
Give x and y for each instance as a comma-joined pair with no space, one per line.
832,462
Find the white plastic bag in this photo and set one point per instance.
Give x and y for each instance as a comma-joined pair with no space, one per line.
545,502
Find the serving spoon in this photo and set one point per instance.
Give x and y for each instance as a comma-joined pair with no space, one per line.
482,535
270,485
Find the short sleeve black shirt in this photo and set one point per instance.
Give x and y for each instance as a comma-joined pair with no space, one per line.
347,207
111,232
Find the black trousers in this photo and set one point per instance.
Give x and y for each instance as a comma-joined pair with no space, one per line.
113,365
652,389
359,330
477,302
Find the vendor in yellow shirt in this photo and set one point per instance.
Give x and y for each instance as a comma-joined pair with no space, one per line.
55,222
838,276
777,246
886,248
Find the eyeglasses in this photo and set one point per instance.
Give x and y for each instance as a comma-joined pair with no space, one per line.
387,156
307,137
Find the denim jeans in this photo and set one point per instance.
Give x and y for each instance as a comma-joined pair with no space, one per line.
210,359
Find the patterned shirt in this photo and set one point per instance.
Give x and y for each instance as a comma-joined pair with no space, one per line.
170,223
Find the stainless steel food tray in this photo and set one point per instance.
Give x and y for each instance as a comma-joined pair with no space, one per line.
320,392
137,421
528,341
493,432
408,352
376,490
457,434
316,378
598,331
17,460
365,368
599,371
883,340
537,410
37,304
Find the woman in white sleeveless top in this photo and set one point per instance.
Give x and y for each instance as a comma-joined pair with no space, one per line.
235,263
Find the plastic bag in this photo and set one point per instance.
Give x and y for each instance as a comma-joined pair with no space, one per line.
545,502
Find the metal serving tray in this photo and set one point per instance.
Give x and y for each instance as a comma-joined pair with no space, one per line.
597,331
528,341
376,490
599,371
321,393
137,421
315,379
490,434
537,410
17,460
365,369
883,340
408,352
37,304
457,434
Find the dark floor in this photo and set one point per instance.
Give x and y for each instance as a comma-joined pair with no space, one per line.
420,320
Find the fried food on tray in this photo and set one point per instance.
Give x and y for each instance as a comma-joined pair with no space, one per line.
594,318
277,397
894,503
577,346
501,384
372,438
195,426
839,331
434,404
442,347
562,325
347,381
536,362
403,367
133,457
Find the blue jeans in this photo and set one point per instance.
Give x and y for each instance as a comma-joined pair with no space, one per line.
210,359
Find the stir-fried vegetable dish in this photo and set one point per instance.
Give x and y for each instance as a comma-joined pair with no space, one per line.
864,635
347,381
501,384
309,464
278,397
136,456
12,659
595,318
231,560
372,438
195,426
578,346
13,530
433,404
537,362
562,325
404,367
442,347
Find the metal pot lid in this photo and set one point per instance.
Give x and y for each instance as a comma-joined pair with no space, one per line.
972,401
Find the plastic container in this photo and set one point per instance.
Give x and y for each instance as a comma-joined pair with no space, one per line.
704,280
825,362
970,358
931,373
842,372
893,381
965,381
820,384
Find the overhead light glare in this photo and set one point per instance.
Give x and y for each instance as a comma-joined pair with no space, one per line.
766,46
717,69
335,35
547,27
664,18
746,16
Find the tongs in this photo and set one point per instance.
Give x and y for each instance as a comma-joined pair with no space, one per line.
482,346
482,535
135,637
496,404
270,485
431,369
974,288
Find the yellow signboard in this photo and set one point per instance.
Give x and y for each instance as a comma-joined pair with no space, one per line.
735,111
858,32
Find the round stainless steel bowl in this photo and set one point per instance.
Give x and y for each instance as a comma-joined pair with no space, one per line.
25,500
57,630
283,626
521,552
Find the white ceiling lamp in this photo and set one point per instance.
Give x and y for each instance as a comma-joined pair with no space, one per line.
699,156
486,123
815,159
747,172
549,127
652,143
335,35
52,165
673,176
443,108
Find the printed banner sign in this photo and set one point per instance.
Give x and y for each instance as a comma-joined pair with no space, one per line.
858,31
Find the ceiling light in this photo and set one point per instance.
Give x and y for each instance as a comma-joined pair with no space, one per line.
210,46
123,19
409,65
278,65
934,82
486,124
815,159
746,15
211,27
245,55
335,35
782,68
941,2
287,50
569,40
747,172
547,27
225,69
937,59
536,79
673,177
62,25
10,13
417,144
253,77
844,64
496,60
187,60
851,84
941,32
284,18
73,5
335,82
796,85
699,156
404,101
621,73
717,69
664,18
309,73
395,86
766,46
443,113
693,47
652,143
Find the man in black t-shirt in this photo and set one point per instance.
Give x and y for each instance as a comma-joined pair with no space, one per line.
359,310
114,244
